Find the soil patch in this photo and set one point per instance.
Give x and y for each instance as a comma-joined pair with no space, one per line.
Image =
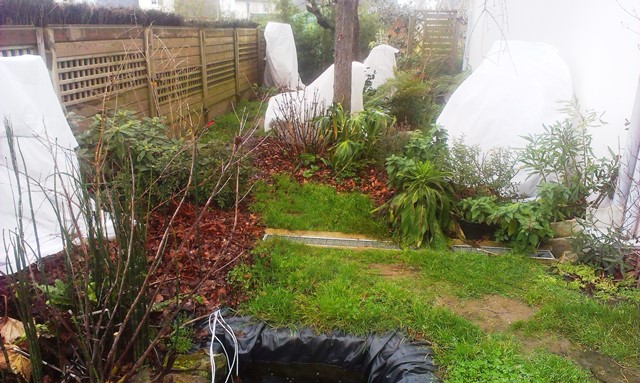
601,366
202,258
492,313
393,270
495,314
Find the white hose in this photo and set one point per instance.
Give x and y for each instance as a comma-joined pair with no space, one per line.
215,320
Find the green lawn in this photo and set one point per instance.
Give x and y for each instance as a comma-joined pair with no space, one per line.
292,284
286,204
327,289
226,126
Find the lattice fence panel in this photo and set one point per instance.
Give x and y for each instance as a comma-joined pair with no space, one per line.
18,51
178,84
247,57
434,34
177,65
85,78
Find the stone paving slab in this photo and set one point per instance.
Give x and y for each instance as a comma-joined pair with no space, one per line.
331,240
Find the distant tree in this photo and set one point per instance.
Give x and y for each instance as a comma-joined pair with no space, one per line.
285,9
346,43
202,10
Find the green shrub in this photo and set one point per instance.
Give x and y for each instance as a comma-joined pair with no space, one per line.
525,225
562,154
429,145
49,12
354,138
407,98
161,165
607,250
474,173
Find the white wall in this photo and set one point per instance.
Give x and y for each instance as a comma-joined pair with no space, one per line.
238,8
599,40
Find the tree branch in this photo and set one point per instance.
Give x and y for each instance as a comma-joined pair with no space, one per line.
323,20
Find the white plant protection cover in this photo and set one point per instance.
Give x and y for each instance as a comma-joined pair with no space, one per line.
511,94
318,95
624,211
46,163
281,69
381,63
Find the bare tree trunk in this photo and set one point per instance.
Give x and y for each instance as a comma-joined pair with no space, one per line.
346,19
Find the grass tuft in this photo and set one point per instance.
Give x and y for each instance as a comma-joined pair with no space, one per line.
289,205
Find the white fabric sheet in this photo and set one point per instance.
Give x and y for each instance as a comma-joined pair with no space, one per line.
381,63
626,205
281,69
46,162
511,94
319,94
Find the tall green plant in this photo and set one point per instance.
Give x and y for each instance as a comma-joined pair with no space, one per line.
23,281
562,154
475,173
522,224
421,207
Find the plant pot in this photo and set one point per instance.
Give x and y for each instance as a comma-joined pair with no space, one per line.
477,231
564,229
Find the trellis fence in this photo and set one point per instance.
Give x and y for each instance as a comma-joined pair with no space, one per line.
185,74
435,34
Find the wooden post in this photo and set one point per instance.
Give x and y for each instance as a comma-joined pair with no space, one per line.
260,57
236,60
50,42
151,77
454,47
410,33
203,66
41,48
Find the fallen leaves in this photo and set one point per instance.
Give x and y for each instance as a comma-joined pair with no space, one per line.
11,357
270,159
11,329
200,257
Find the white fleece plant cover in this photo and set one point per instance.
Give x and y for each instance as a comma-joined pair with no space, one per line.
317,96
46,162
511,94
381,64
281,69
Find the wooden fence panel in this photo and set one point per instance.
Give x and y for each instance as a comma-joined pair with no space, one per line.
182,72
177,73
17,41
247,71
101,67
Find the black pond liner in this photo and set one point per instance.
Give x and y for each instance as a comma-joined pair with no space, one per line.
388,358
